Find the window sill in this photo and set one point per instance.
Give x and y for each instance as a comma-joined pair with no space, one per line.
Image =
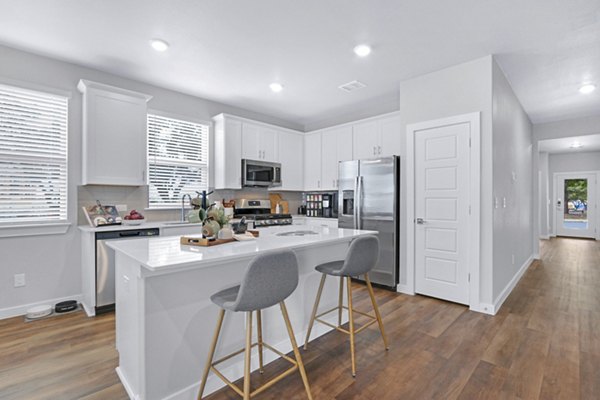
36,229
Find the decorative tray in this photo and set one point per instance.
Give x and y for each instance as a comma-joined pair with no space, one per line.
197,240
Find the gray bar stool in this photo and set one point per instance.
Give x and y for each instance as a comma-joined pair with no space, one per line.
361,258
269,279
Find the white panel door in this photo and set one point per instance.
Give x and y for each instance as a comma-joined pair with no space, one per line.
251,141
575,204
442,212
291,153
268,144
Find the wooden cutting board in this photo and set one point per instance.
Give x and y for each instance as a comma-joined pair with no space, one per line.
204,242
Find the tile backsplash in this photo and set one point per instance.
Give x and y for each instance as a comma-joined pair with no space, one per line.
136,198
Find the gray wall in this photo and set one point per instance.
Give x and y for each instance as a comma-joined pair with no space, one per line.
52,263
544,196
461,89
512,179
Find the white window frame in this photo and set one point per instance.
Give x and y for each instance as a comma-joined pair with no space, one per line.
48,226
206,164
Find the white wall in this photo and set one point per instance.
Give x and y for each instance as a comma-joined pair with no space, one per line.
51,263
512,180
544,196
570,162
460,89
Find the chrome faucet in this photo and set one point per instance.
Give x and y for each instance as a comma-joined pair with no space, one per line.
183,206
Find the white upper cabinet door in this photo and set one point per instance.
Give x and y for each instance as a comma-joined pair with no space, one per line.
391,137
114,135
329,159
312,161
228,153
251,141
344,144
365,140
291,154
268,144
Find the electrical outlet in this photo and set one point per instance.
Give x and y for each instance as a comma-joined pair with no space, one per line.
121,207
19,280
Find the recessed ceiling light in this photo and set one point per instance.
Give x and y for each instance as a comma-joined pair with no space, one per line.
587,88
576,145
362,50
159,45
276,87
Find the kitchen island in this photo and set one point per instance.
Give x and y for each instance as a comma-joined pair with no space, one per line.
165,319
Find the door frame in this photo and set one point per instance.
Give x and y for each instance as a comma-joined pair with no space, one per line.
474,120
555,177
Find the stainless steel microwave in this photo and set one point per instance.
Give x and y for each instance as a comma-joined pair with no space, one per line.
260,173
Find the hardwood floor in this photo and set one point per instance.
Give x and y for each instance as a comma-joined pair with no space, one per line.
544,343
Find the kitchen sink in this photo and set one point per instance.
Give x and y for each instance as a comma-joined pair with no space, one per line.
297,233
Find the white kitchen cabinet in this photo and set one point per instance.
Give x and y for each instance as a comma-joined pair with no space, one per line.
380,137
228,152
312,161
114,135
336,147
238,138
291,155
259,142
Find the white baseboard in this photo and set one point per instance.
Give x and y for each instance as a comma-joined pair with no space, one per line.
405,289
22,309
485,308
545,237
126,384
511,285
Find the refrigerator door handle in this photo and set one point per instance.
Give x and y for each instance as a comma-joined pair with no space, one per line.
358,223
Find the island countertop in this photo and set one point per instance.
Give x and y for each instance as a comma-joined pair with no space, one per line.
166,253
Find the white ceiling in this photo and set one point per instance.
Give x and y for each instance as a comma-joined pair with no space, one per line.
563,145
229,51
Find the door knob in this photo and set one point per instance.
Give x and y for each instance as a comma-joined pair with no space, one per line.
420,221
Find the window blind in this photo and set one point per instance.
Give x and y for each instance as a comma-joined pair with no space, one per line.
177,160
33,156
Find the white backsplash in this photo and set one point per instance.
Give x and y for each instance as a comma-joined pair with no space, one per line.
136,198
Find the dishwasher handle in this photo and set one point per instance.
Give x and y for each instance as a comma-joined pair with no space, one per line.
129,234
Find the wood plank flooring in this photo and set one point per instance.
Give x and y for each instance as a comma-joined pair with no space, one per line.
543,344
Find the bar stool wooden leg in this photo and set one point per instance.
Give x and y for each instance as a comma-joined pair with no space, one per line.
247,355
295,347
351,318
340,301
377,314
260,340
314,311
211,352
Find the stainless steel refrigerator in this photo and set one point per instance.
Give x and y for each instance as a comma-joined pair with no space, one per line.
369,199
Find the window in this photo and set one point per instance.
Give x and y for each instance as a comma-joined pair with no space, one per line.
33,156
177,160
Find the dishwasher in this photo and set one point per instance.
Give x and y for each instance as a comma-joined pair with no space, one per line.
105,265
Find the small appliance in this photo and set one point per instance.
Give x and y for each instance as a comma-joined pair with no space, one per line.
260,173
323,205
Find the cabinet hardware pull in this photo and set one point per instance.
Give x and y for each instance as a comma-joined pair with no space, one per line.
379,148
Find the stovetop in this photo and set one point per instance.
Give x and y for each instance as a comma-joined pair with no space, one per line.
260,212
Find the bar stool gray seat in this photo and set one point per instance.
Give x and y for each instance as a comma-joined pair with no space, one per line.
269,279
362,257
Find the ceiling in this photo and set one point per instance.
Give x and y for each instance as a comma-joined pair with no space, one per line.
230,51
563,145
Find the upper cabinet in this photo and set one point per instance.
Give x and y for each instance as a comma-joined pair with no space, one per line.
291,156
260,142
312,161
379,137
228,152
238,138
336,146
114,135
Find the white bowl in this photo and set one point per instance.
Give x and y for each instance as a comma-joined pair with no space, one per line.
133,221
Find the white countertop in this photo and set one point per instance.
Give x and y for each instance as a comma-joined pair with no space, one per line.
144,225
166,253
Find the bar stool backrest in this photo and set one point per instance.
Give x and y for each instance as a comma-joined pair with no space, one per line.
362,256
269,279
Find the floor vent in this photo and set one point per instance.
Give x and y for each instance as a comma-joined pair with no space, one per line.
350,86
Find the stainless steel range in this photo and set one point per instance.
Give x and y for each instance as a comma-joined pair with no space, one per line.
260,212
